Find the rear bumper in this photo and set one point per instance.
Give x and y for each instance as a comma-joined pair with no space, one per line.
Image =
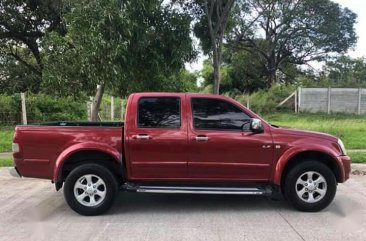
14,172
345,162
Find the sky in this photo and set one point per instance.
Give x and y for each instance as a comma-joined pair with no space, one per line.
357,6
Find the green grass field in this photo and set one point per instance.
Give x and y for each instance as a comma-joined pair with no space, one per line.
358,157
6,162
6,137
350,128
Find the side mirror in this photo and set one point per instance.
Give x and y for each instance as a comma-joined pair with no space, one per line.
256,125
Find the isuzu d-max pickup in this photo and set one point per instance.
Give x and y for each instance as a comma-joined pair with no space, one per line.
181,143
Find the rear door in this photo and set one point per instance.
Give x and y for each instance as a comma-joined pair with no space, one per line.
221,149
157,138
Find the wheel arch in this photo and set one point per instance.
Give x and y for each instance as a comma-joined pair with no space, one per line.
85,153
284,165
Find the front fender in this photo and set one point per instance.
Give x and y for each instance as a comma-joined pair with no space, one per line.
293,151
92,146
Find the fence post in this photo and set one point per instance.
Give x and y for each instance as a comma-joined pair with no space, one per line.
90,103
112,108
299,99
248,102
122,110
359,102
24,110
328,102
295,101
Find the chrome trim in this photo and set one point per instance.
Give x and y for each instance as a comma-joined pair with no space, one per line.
143,137
201,190
201,138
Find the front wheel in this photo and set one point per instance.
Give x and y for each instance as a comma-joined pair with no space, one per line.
310,186
90,189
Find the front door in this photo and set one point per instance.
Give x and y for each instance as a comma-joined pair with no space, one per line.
157,140
222,146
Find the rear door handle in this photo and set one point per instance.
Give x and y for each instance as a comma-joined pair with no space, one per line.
201,138
142,137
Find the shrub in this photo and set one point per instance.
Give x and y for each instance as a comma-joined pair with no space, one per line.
41,108
266,101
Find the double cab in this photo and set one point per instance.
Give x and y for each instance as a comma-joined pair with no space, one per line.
181,143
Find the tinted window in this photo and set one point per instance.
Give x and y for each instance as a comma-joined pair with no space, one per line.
159,112
217,114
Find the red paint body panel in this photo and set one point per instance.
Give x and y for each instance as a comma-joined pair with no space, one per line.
43,149
164,155
229,155
175,154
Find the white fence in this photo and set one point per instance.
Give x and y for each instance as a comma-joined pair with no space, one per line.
329,100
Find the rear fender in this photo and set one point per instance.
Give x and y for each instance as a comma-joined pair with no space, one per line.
85,146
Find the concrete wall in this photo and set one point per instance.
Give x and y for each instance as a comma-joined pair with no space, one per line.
344,100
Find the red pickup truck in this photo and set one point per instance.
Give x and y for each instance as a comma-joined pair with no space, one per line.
181,143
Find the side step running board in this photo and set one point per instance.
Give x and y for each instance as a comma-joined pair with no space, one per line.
199,190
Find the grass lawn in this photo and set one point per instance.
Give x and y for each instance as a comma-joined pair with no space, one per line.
6,162
358,157
350,128
6,137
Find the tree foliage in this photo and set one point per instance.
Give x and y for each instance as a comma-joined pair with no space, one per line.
22,26
342,71
127,45
292,32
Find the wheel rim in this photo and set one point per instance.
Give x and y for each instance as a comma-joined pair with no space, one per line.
311,187
90,190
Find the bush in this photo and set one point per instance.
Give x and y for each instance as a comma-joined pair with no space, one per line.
10,113
46,108
41,108
266,101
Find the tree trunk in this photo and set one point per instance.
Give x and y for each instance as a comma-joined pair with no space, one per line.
271,72
216,66
96,102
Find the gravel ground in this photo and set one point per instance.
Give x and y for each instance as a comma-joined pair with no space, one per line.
31,209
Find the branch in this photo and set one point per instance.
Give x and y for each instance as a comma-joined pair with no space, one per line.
29,66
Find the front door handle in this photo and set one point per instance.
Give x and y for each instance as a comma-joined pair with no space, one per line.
142,137
201,138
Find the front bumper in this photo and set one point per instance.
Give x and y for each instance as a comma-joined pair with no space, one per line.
345,162
14,172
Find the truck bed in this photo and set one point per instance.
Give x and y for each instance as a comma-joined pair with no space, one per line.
41,145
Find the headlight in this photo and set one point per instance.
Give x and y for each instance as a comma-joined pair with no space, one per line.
341,145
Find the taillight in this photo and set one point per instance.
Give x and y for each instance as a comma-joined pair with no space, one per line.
15,147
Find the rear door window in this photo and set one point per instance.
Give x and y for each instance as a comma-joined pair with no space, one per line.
159,112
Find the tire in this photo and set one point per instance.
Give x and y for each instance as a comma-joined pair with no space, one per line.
310,186
90,189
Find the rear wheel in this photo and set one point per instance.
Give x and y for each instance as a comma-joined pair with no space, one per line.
90,189
310,186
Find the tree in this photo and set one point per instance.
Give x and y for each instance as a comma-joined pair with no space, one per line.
217,14
22,26
122,46
244,72
212,17
16,77
292,32
347,72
